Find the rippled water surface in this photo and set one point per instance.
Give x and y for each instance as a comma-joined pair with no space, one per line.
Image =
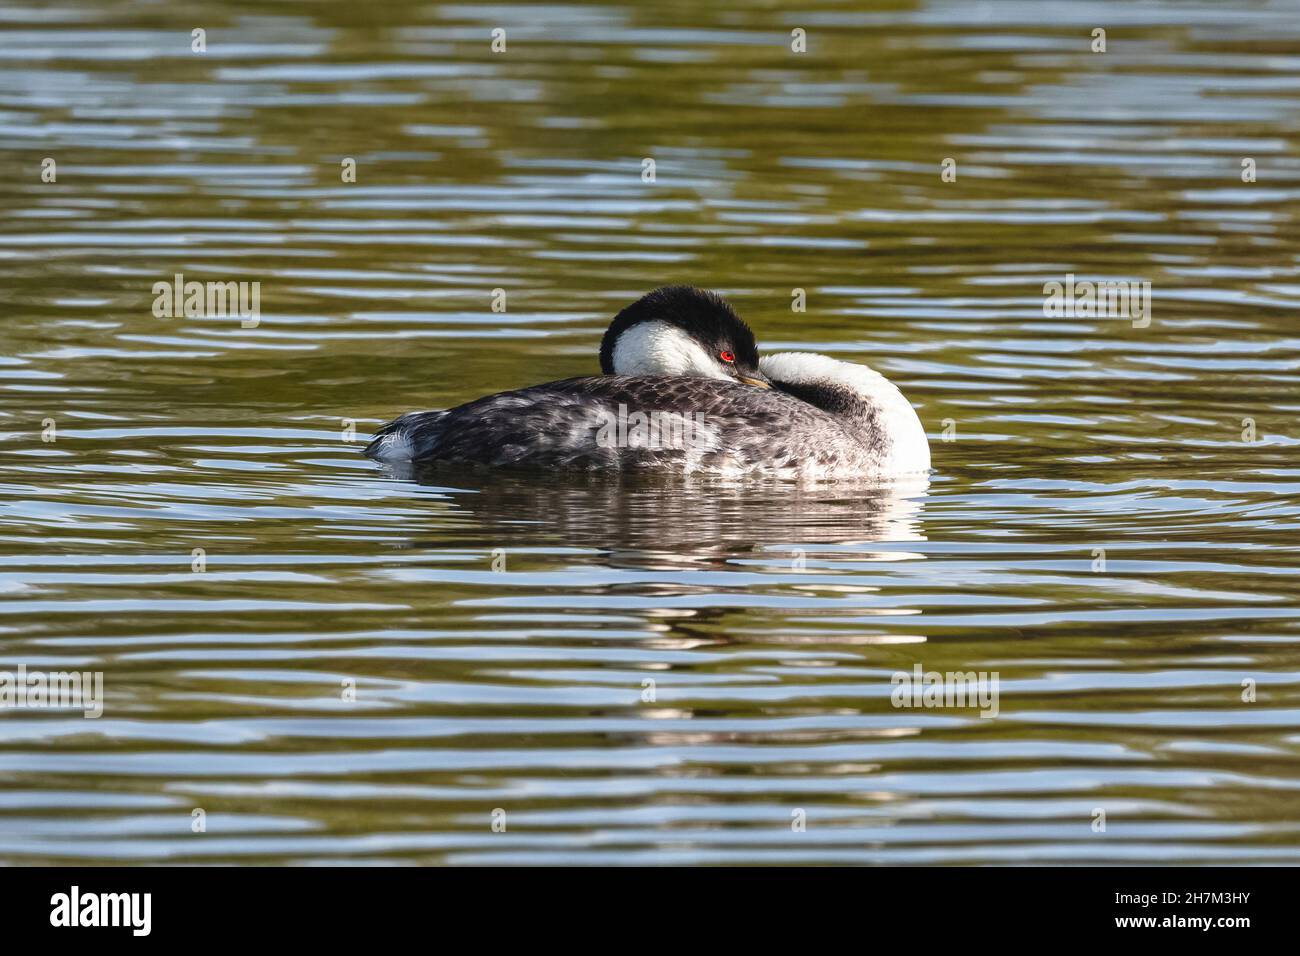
1111,525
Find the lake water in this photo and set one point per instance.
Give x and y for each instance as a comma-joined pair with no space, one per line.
649,672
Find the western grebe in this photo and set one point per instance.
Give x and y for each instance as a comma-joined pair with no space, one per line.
683,390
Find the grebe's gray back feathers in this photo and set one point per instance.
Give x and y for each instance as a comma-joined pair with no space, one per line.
737,428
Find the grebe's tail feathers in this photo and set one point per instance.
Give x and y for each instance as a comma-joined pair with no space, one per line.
398,440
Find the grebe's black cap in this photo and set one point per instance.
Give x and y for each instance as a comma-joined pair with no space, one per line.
705,316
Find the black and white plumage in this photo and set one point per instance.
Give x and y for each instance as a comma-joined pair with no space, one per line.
684,390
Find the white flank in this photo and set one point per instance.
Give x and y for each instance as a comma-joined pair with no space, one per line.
909,451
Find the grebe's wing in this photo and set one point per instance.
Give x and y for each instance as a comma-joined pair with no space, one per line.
610,421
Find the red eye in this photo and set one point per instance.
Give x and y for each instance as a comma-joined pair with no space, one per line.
727,356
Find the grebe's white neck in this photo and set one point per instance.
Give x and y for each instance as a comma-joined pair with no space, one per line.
866,402
659,348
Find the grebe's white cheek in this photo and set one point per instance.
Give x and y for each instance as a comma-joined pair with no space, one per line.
657,348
